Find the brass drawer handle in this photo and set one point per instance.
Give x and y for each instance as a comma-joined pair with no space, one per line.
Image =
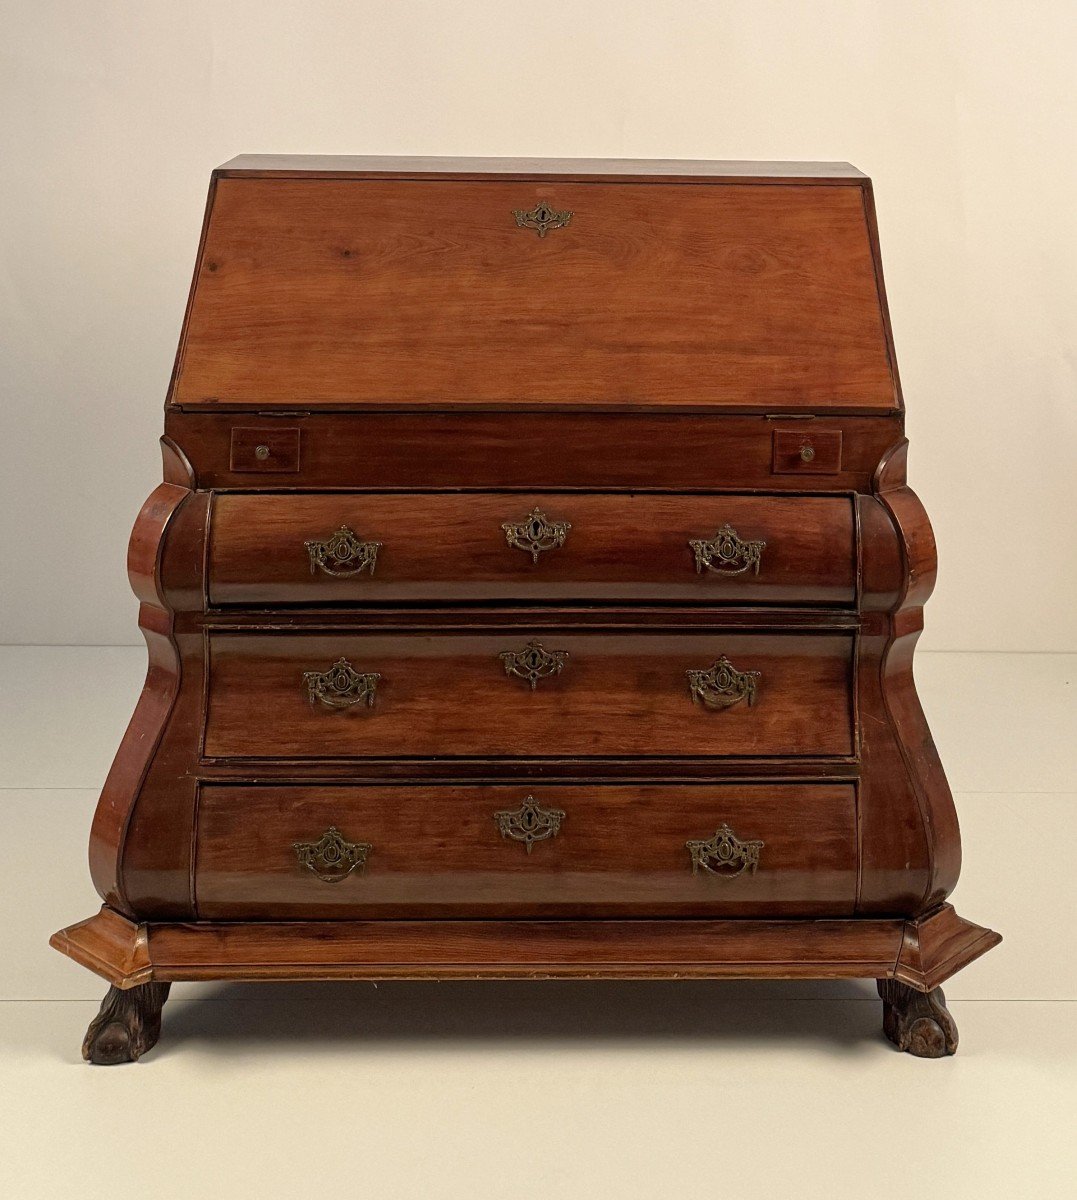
724,854
533,662
541,218
341,686
530,823
727,553
332,858
722,685
343,554
536,533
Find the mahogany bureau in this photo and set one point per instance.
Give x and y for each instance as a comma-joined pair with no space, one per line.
532,592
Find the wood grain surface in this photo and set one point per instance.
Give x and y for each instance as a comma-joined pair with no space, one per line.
446,695
454,548
316,293
437,851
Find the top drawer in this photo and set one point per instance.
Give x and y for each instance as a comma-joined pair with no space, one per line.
325,549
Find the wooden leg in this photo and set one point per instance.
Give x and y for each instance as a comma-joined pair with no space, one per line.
917,1022
128,1024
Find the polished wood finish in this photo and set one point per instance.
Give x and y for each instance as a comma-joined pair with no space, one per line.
376,344
366,292
432,686
537,451
453,548
264,449
437,852
127,954
807,451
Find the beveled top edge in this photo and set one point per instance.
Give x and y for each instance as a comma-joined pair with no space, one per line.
269,165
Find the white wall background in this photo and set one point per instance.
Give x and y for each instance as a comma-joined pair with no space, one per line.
965,114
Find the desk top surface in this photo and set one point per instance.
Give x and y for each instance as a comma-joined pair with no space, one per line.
667,169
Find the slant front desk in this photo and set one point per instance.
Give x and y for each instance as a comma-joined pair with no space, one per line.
531,593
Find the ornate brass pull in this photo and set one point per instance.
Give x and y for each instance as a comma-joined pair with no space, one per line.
331,858
341,686
536,533
727,553
722,685
345,553
724,854
530,823
541,218
533,662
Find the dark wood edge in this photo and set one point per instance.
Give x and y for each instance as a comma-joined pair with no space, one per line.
389,772
938,945
110,945
598,617
562,170
157,699
880,287
255,408
916,543
128,953
181,348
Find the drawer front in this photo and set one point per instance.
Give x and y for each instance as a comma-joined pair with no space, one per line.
514,850
527,693
324,549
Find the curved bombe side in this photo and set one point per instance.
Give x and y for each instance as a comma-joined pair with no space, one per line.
911,850
164,565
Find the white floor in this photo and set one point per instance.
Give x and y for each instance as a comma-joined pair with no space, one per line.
557,1089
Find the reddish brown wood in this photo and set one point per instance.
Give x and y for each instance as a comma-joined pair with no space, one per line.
453,548
807,451
938,944
437,851
135,755
264,450
421,369
608,949
386,292
537,451
449,695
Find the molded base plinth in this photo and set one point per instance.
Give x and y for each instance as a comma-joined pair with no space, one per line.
908,957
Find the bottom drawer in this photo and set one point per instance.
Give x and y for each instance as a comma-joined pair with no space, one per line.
730,849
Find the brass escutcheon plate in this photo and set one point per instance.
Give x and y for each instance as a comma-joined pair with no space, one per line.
536,533
533,662
727,553
343,553
724,855
331,857
530,823
541,218
722,685
341,686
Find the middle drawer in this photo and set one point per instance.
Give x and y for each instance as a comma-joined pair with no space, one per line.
529,694
347,548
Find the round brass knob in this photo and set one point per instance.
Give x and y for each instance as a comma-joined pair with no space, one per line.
261,453
807,453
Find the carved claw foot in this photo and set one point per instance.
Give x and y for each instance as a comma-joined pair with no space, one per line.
128,1024
917,1022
